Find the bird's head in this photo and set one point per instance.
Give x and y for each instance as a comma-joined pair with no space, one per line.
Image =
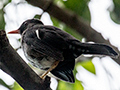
26,24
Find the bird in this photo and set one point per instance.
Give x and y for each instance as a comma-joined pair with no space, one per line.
54,50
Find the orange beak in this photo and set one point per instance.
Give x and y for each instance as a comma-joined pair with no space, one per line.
14,32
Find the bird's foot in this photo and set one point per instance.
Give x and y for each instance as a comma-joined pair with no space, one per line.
50,69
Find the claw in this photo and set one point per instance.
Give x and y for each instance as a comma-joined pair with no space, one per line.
50,69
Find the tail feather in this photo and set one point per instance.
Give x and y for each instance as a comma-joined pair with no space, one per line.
79,48
99,49
64,71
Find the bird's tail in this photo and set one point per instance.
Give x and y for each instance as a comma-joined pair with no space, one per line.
79,48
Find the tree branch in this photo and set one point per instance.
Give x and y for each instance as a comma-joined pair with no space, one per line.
74,21
12,64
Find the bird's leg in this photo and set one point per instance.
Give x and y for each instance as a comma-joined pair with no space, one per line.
50,69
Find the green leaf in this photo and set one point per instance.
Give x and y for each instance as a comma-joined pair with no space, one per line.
2,21
72,32
80,7
37,16
66,28
55,22
64,86
4,84
115,13
88,65
77,85
16,86
68,86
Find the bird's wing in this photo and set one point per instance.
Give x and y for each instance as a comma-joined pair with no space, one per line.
47,42
64,70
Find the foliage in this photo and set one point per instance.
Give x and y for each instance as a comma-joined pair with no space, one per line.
66,86
3,3
88,65
80,7
15,85
115,13
4,84
66,28
2,21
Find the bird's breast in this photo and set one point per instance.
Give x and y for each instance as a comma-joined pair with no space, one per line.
37,59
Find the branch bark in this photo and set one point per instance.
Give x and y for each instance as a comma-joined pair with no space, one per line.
73,21
14,65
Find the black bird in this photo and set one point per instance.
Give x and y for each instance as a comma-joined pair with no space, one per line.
53,50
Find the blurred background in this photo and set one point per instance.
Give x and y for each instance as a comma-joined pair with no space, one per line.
91,72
